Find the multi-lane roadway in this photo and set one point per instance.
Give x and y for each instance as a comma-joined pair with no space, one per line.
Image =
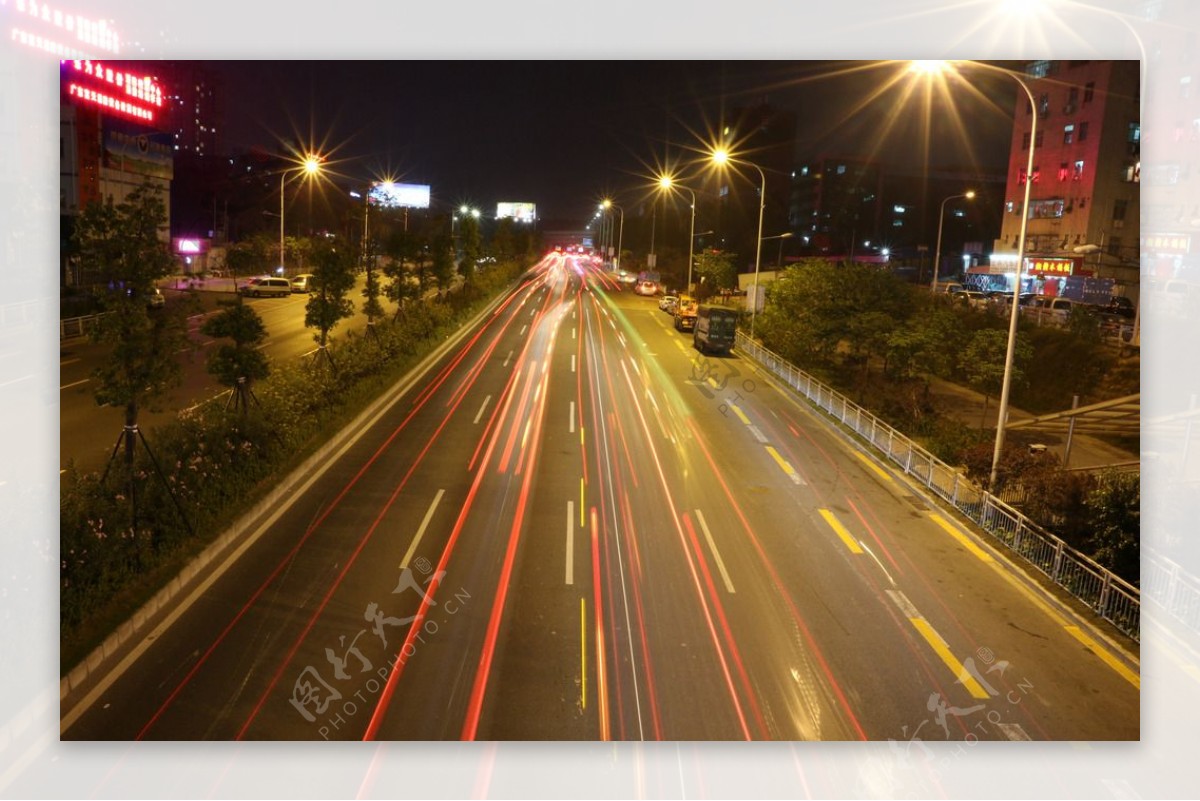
567,524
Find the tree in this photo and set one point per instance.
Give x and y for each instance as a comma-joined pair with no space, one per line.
504,240
443,262
469,239
240,364
1115,511
121,243
716,269
333,278
246,258
982,361
404,248
371,305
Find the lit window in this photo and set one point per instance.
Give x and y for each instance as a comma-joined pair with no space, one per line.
1068,134
1008,207
841,168
1064,171
899,209
897,223
1078,175
1135,132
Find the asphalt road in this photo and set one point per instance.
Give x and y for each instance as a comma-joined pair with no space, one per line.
574,527
88,431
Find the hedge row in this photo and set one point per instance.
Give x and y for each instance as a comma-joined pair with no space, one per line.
217,463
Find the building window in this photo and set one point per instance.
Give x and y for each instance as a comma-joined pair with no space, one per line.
1037,142
1040,209
1083,131
1120,206
1114,245
1089,91
1037,174
1043,105
899,209
1069,134
1135,132
1078,174
1039,69
1025,141
841,169
897,223
1064,171
1008,207
1073,97
1133,173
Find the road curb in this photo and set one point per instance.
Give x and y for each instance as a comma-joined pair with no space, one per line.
79,675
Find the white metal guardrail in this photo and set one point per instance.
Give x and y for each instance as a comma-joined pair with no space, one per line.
76,326
1110,596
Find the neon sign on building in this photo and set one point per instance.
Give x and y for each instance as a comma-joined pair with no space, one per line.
116,90
85,32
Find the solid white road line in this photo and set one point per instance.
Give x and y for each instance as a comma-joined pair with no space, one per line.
716,554
421,531
479,414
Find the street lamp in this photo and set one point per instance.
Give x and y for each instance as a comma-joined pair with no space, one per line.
937,251
311,165
1006,384
608,204
667,184
780,237
721,157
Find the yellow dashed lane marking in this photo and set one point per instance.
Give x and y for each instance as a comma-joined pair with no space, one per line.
741,415
1105,656
876,468
963,539
841,531
942,650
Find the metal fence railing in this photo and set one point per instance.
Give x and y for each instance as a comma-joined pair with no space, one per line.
1110,596
76,326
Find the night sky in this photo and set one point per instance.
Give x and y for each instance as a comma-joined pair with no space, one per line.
563,133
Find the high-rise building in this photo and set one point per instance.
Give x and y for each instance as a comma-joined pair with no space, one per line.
110,143
836,204
1084,213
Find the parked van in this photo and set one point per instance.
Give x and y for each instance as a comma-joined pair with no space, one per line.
303,283
715,329
267,286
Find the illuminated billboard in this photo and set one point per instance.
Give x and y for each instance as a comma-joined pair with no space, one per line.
391,195
521,212
114,89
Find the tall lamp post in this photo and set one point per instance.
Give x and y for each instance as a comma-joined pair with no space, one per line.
780,237
608,204
937,251
1006,383
721,157
667,183
311,166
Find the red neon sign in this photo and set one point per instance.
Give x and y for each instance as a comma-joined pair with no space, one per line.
109,102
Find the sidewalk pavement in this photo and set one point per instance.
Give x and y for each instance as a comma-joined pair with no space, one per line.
966,405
